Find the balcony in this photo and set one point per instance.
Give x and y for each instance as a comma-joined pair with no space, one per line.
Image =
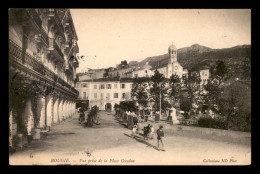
58,49
30,62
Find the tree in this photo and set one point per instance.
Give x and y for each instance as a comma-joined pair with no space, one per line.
246,68
219,70
139,92
235,105
185,105
215,86
191,85
175,88
128,106
213,90
158,90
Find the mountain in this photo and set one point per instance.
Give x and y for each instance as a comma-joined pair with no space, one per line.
197,57
195,48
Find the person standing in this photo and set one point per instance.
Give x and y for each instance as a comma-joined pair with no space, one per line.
146,131
134,131
135,120
151,131
160,136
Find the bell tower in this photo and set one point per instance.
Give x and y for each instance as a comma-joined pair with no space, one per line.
172,53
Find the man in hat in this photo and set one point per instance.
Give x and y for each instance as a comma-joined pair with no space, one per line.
160,136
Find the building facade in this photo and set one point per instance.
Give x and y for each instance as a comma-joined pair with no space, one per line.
143,72
42,69
204,75
120,72
105,93
96,73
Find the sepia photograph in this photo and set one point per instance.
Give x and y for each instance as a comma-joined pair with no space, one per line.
129,87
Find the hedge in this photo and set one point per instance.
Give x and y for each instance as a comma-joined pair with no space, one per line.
211,123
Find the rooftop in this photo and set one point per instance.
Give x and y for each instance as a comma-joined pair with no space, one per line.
109,79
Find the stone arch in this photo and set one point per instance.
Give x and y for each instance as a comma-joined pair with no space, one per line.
108,106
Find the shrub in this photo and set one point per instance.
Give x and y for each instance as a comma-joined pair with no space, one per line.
211,123
240,122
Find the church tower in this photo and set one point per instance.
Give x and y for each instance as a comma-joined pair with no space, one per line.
172,53
173,66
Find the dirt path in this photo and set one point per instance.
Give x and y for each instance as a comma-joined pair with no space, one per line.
70,143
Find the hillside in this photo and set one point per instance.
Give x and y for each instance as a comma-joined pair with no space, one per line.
197,57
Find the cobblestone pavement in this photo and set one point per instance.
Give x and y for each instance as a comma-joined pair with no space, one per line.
110,143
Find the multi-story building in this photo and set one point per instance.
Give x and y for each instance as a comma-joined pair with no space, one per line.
42,68
204,75
105,93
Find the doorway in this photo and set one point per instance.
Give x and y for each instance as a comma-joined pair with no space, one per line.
108,107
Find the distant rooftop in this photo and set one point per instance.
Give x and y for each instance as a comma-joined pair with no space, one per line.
109,79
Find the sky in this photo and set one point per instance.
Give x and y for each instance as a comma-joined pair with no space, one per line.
108,36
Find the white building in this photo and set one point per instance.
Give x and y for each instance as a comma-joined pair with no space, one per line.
143,72
204,75
173,66
105,93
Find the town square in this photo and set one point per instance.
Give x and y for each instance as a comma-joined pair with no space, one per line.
129,86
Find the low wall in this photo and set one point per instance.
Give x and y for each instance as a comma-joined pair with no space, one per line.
205,133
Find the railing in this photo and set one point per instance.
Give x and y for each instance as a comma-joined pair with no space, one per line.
15,54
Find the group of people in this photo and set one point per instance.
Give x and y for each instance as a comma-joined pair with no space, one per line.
149,132
92,116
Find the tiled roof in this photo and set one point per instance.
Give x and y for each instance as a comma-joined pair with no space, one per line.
109,79
138,69
102,79
126,80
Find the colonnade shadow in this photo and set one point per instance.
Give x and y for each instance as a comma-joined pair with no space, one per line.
140,140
